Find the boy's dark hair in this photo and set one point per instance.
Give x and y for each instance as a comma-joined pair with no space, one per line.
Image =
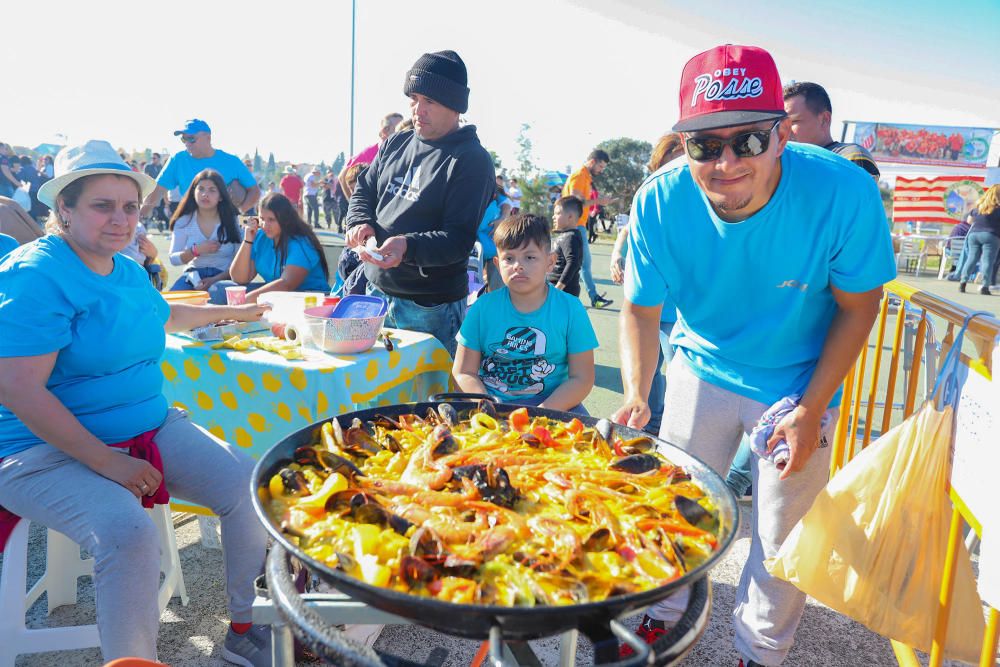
519,230
599,155
814,95
571,204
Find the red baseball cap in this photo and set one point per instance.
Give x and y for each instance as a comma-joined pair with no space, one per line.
729,85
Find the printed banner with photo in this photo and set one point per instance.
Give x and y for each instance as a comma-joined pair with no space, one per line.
937,199
925,144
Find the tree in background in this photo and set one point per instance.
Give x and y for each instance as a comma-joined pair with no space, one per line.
338,163
258,162
534,192
271,167
496,162
626,172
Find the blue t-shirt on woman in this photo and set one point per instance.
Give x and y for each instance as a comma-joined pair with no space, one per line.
7,244
300,253
107,332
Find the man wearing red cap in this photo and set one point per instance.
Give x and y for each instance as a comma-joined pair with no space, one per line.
775,256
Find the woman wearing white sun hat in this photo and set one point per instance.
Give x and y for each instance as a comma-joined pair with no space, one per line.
85,431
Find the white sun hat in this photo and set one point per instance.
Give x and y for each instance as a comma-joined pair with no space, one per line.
87,159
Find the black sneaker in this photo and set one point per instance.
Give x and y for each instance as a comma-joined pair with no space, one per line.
985,289
749,663
961,286
649,631
600,301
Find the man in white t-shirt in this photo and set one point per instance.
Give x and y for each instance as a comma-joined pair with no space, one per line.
514,194
312,202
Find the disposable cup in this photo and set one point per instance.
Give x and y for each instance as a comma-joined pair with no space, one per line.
236,295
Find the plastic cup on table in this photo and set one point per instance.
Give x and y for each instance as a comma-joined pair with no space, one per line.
236,295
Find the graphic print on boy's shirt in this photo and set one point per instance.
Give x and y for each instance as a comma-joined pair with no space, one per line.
517,366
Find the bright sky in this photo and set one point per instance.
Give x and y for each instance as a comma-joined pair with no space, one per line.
276,75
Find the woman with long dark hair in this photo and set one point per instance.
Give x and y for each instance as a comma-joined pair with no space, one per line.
282,249
204,235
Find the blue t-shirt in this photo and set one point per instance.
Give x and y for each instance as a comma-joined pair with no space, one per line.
485,233
181,169
754,297
300,253
526,355
107,330
7,243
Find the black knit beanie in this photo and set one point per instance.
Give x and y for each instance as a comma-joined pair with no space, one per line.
440,76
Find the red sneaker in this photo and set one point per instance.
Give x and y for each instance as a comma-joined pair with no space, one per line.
648,631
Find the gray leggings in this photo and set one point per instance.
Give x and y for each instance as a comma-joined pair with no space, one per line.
46,485
709,422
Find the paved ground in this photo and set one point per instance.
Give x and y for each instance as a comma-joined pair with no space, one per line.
189,636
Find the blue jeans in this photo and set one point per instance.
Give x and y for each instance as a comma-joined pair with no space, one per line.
659,387
441,321
740,475
986,244
217,292
184,282
588,276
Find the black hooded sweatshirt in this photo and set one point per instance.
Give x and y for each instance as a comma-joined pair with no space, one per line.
435,194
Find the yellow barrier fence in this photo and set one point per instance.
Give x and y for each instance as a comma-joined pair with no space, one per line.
914,317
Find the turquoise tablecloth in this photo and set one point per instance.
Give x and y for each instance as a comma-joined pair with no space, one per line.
253,399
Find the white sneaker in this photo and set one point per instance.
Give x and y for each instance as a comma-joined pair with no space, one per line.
363,634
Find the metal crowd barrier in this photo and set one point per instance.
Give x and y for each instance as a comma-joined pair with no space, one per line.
869,387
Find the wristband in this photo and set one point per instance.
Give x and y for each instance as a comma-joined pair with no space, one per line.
194,249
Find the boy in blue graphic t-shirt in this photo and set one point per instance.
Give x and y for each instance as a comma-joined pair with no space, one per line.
528,342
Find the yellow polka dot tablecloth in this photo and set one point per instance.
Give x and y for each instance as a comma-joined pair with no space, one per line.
254,399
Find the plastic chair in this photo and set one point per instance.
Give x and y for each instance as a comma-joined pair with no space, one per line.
952,252
63,566
911,254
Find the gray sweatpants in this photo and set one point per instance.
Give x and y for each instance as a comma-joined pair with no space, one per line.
709,422
46,485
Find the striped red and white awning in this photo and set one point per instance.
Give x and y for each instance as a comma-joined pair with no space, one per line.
936,199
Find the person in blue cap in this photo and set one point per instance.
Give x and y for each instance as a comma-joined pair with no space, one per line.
198,155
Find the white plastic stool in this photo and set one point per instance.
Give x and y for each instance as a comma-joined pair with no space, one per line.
63,566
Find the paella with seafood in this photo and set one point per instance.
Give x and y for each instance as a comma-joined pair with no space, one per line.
492,509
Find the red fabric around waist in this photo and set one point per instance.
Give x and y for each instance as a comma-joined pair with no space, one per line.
139,447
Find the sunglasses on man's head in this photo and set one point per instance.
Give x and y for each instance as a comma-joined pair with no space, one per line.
189,138
747,144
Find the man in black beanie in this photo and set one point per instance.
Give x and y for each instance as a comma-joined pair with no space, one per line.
422,199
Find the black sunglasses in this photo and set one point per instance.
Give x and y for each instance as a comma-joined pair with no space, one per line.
188,138
747,144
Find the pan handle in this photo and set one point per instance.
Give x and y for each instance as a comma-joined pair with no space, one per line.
460,396
329,643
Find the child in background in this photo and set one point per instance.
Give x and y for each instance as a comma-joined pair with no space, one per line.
568,245
527,342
